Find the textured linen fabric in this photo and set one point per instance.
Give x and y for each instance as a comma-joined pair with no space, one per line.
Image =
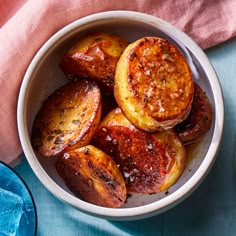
26,25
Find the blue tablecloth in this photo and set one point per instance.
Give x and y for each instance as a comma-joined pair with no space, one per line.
210,210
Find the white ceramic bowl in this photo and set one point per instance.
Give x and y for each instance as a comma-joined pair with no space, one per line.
44,76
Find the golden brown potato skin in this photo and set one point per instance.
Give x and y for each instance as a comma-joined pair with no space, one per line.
93,176
149,162
199,120
95,56
153,84
67,119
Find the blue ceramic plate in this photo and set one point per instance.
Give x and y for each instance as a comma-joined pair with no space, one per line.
17,207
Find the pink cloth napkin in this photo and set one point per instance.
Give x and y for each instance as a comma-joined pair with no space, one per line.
27,24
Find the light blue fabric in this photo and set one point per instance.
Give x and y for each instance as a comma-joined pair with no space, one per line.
210,210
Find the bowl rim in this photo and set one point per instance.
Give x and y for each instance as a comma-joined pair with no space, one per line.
134,212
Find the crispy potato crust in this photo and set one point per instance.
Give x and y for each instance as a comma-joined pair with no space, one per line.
153,84
95,56
149,162
93,176
199,120
67,119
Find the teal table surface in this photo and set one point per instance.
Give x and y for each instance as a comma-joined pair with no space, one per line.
210,210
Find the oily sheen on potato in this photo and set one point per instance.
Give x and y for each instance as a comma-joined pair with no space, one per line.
67,119
95,56
93,176
149,162
153,84
199,120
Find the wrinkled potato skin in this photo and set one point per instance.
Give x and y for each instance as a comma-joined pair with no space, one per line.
67,119
95,56
149,162
93,176
153,84
199,120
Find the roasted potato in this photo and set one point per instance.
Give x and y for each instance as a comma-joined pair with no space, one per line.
95,56
149,162
93,176
199,120
153,84
67,119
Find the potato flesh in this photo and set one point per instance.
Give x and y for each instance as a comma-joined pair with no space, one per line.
67,119
148,162
153,84
93,176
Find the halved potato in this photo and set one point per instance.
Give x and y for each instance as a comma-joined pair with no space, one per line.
149,162
93,176
199,120
153,84
95,56
68,118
